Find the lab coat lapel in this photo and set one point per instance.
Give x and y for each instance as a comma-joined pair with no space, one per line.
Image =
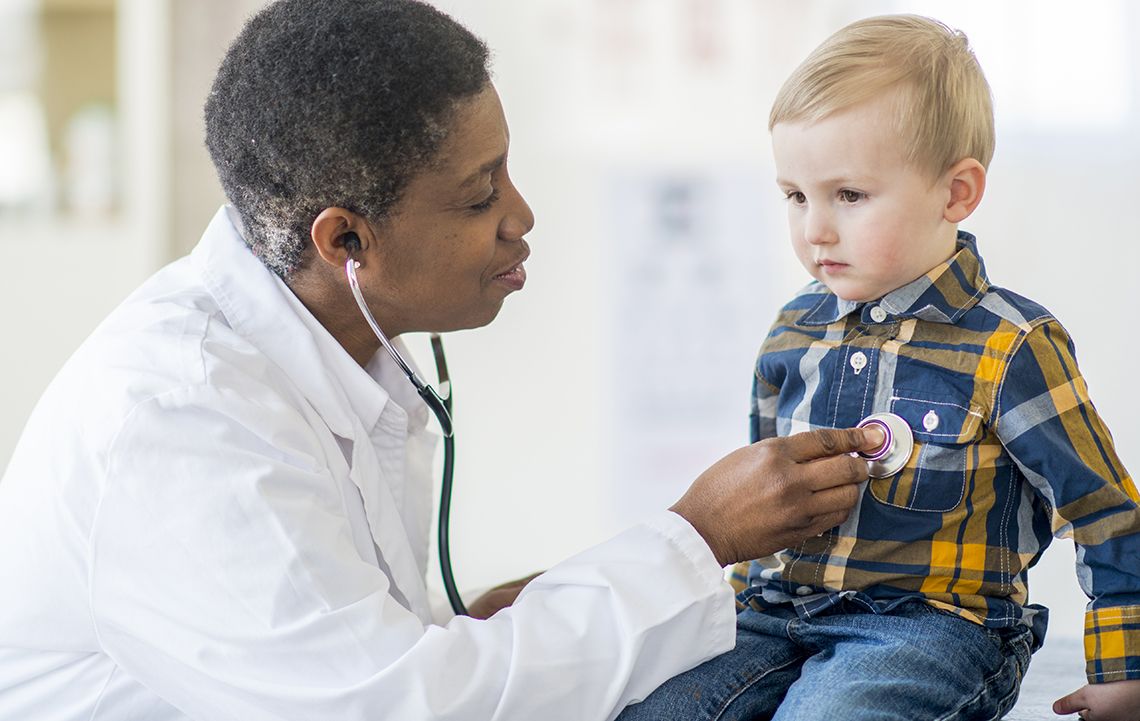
260,307
387,525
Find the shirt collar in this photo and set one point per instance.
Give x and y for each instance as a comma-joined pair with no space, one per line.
942,295
261,308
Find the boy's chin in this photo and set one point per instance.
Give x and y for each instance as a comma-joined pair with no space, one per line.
852,295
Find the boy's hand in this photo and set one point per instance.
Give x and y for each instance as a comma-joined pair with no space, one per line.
1114,701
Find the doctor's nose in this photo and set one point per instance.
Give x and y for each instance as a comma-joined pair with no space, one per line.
519,219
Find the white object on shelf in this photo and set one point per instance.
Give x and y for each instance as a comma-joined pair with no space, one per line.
25,173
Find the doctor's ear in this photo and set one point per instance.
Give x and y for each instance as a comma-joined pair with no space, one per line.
967,179
338,233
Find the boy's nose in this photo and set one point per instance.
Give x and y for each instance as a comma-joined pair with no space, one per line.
818,229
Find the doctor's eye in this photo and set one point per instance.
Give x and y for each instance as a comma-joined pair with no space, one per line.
851,196
486,204
796,197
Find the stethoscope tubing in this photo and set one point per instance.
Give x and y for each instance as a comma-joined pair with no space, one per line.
441,408
449,586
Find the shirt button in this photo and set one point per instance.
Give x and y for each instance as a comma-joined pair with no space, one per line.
803,590
930,421
878,314
858,361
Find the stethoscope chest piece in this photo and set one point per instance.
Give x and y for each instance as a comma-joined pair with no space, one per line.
891,457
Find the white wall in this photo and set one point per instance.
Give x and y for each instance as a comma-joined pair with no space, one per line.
63,273
566,429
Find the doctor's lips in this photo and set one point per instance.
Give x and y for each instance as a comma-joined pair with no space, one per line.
515,276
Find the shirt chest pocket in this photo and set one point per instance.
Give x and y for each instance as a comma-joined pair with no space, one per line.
934,477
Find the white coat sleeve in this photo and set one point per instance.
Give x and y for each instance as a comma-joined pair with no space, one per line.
223,576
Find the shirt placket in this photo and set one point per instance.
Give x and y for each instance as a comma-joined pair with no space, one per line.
854,382
855,379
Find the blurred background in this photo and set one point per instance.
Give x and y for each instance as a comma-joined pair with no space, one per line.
660,252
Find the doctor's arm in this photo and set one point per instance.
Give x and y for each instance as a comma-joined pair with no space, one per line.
224,576
758,499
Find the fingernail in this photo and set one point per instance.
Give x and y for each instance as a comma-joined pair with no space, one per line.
875,434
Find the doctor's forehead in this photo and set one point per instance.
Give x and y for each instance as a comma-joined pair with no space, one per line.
477,143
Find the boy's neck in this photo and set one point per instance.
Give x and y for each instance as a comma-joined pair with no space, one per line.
948,256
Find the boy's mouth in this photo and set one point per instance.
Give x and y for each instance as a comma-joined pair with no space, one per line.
829,266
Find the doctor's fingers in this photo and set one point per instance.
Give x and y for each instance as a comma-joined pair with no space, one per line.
823,511
837,472
822,524
828,442
830,502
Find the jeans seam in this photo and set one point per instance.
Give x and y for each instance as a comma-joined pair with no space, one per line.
752,682
985,690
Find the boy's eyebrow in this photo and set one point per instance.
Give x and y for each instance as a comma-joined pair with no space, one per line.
833,180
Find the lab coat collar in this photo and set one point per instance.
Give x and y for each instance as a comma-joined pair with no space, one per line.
943,295
349,399
247,291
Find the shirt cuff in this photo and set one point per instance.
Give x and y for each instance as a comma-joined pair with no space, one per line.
1112,644
720,618
682,534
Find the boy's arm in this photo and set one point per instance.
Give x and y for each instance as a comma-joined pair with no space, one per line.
1047,423
762,424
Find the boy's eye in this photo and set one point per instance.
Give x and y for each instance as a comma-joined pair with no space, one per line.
486,204
851,196
796,197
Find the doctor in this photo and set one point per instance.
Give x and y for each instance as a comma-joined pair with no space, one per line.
220,508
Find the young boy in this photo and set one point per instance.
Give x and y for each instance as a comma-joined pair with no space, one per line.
917,606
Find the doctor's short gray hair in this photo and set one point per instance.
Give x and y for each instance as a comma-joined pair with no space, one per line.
323,103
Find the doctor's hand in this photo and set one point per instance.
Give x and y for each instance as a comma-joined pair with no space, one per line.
498,598
775,493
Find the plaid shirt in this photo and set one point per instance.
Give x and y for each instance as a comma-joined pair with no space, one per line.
1008,453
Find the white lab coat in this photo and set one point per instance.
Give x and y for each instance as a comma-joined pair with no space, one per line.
215,514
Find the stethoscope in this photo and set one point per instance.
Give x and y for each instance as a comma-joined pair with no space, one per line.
898,444
440,406
883,462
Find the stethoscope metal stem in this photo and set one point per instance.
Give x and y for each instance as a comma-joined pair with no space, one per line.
350,270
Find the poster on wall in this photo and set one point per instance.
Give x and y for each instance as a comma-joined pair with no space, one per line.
697,275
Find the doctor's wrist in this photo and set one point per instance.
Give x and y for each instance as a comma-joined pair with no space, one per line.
707,530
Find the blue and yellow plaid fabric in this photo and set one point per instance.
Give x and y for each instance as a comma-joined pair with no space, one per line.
1009,452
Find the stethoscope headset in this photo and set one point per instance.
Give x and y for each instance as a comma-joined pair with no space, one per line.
440,405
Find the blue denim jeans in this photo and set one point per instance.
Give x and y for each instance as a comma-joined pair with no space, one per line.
915,663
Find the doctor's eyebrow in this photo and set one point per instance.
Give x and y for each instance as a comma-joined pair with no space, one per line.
484,169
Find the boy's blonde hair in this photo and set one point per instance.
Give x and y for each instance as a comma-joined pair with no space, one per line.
945,111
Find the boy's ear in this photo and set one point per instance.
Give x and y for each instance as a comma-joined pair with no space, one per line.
967,180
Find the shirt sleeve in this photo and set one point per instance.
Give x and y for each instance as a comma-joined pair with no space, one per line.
224,577
1049,426
762,424
762,416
